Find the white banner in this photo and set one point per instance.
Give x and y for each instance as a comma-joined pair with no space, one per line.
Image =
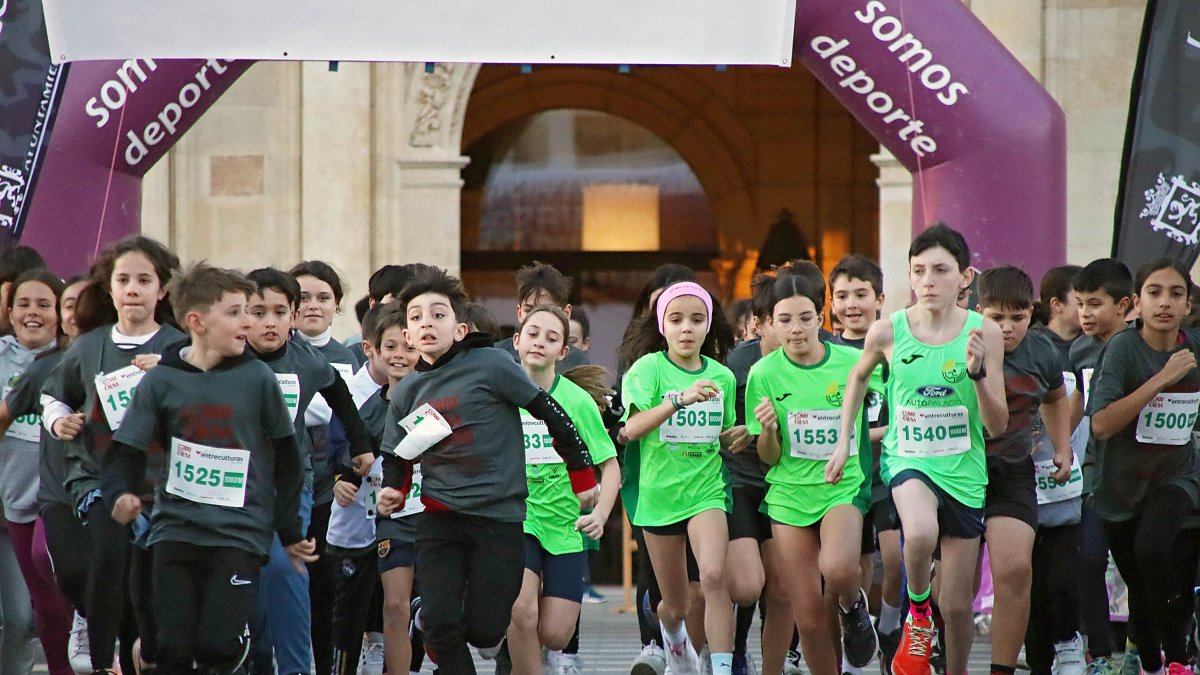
488,31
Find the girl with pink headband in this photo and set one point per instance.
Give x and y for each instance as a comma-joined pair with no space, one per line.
680,406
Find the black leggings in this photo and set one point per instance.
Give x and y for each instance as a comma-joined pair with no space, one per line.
357,606
1093,586
1054,601
110,612
70,553
471,569
1158,563
322,583
203,598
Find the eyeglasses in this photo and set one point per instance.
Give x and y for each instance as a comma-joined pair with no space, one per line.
806,320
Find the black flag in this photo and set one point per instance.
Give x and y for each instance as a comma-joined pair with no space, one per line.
1158,202
30,88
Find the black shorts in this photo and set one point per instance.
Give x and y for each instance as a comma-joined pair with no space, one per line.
1011,490
868,546
883,515
747,521
561,573
677,530
394,554
955,519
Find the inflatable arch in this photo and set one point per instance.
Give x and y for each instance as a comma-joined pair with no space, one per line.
984,141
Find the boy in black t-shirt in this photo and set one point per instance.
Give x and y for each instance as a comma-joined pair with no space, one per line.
233,476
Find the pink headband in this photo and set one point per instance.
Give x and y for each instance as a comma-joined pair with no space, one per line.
677,290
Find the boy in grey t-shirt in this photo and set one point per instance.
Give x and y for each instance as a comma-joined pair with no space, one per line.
233,475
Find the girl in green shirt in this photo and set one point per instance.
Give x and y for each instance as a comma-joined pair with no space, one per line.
793,402
547,608
680,405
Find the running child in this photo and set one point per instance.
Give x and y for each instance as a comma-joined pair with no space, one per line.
542,284
945,386
1143,407
459,412
233,477
817,498
547,609
1032,380
680,406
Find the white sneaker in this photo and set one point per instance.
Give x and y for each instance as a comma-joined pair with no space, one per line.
791,664
569,664
550,661
79,651
489,653
371,661
705,657
682,659
1068,657
651,661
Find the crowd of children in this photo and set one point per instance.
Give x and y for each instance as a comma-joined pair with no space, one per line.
196,477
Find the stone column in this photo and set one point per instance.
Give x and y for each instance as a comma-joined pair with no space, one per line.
895,228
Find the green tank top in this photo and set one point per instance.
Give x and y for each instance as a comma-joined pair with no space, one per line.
935,424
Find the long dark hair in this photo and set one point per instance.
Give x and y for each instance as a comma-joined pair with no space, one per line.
51,281
166,265
643,337
663,276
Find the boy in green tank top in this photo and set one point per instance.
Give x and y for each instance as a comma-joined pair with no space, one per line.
946,385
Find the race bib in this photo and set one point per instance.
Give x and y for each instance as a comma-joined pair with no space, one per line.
697,423
25,427
412,503
1168,419
344,369
814,434
1049,490
425,427
933,432
1087,385
289,384
539,445
115,390
208,475
874,407
1069,382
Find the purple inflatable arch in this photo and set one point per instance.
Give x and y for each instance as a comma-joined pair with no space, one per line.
984,141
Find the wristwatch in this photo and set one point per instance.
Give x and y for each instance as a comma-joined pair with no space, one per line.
979,375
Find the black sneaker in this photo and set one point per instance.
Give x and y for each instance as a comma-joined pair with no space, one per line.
888,644
937,660
859,641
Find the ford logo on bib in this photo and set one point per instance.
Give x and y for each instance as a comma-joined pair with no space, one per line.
935,391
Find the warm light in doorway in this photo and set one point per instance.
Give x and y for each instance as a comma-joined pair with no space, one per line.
620,217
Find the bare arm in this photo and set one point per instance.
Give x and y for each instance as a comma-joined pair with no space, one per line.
1076,406
1056,413
985,348
875,348
769,446
642,422
1122,412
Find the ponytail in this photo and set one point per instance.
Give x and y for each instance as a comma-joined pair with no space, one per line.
594,380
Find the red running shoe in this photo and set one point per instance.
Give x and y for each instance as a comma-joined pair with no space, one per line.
916,641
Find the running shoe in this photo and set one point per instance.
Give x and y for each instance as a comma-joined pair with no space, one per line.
1174,668
1102,666
79,651
859,641
744,665
682,659
1069,657
651,661
371,661
705,657
791,664
1132,664
916,646
593,597
569,664
888,644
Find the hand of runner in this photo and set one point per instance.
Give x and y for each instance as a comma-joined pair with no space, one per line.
1062,473
735,439
833,468
587,498
591,524
127,509
344,492
699,392
1180,364
302,552
146,361
67,427
765,413
975,350
362,464
390,499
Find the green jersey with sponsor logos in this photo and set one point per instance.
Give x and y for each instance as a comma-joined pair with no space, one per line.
552,507
935,425
678,465
808,401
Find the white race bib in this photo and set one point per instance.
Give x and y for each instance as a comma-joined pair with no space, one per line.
697,423
412,503
1168,419
25,427
1087,385
874,406
344,369
115,390
539,445
813,434
289,384
932,432
1049,490
207,475
1069,382
425,427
